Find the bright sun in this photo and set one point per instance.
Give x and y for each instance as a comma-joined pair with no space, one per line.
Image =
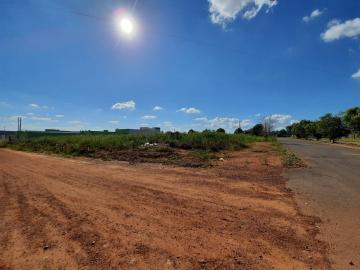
127,26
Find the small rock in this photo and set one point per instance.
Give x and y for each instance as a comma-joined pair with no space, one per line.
221,159
46,247
92,243
169,263
132,261
351,263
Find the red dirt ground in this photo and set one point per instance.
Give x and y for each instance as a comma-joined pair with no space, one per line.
59,213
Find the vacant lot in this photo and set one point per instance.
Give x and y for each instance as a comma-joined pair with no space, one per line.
172,148
59,213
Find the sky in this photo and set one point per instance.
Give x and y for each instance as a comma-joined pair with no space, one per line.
187,64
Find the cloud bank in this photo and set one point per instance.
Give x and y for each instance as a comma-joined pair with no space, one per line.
189,110
225,11
128,105
228,123
338,30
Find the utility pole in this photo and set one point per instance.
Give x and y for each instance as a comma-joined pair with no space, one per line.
19,126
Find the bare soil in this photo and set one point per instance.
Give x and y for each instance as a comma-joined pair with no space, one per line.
59,213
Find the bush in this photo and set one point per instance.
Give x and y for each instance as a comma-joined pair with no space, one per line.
257,130
238,131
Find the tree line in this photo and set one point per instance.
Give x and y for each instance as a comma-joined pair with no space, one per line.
327,126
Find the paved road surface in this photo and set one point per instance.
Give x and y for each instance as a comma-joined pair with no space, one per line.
330,188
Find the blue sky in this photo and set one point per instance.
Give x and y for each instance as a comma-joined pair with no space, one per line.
188,64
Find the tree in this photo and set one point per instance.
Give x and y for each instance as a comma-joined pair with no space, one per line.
298,129
352,120
312,129
331,127
238,131
282,133
268,125
220,130
191,131
257,130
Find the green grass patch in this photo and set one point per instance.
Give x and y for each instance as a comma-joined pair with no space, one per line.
350,140
288,157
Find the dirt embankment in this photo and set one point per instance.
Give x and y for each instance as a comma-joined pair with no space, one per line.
59,213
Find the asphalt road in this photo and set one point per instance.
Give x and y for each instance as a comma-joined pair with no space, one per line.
329,187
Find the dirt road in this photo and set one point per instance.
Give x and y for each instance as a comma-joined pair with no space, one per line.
59,213
330,188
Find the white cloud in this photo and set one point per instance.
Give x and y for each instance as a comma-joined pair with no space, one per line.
39,118
224,122
33,105
149,117
31,117
356,75
280,121
316,13
113,122
59,116
245,124
224,11
37,106
333,22
158,108
128,105
189,110
337,30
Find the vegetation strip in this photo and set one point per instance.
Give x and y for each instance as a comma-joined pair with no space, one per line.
187,149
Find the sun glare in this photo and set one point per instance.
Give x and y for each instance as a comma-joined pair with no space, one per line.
127,26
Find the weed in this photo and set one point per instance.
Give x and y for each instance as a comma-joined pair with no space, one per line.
289,159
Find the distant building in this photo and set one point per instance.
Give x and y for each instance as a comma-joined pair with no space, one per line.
52,130
7,135
150,130
142,130
58,131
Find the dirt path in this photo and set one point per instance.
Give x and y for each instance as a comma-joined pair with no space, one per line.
61,213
